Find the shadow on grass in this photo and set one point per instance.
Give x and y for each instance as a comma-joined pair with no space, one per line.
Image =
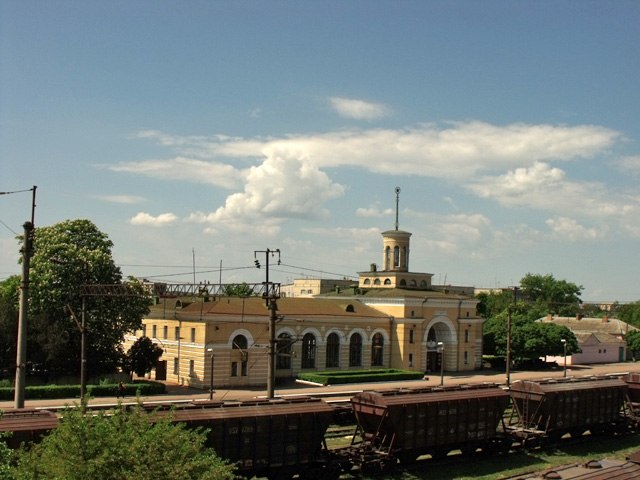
494,467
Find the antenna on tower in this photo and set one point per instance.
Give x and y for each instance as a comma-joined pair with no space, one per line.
397,203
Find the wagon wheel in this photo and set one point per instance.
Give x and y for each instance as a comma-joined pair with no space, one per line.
468,450
439,453
407,458
280,474
325,471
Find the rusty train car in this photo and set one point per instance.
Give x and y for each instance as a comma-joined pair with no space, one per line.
279,438
26,425
409,423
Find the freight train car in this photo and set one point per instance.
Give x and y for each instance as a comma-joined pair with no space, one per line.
271,438
406,424
26,425
555,407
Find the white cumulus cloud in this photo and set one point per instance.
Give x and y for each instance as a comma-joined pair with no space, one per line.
146,219
290,177
125,199
181,168
570,229
358,109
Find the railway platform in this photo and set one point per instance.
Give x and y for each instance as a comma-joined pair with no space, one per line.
177,393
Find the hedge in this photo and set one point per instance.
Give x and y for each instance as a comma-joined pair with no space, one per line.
139,387
360,376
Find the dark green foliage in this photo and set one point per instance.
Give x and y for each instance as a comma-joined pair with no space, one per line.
142,357
629,313
6,457
9,295
633,342
557,296
537,296
67,256
121,446
139,387
359,376
238,290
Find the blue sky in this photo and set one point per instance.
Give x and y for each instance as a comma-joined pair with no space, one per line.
209,130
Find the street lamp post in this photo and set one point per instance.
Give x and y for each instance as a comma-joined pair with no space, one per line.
564,349
441,349
210,350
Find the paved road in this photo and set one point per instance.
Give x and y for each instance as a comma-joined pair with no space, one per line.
178,393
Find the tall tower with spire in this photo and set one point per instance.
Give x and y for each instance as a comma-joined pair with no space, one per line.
395,262
395,256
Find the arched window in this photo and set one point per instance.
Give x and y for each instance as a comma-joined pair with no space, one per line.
413,283
240,343
377,350
367,281
333,350
309,351
387,258
387,281
396,256
376,281
283,359
403,283
355,350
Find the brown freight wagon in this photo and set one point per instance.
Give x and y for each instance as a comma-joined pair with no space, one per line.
272,438
633,381
572,405
26,425
406,424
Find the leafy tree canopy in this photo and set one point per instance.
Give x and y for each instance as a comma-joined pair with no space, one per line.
122,446
67,256
6,457
633,342
537,296
9,293
238,290
558,296
142,357
629,313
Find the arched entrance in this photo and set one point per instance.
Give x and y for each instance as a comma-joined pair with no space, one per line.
438,343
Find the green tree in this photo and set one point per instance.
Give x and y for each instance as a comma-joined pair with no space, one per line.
535,340
6,458
142,357
493,303
629,313
67,256
633,342
537,296
122,446
9,294
238,290
558,296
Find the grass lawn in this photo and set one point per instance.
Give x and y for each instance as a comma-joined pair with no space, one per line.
516,463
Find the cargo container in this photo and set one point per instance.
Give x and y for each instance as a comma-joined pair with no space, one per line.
406,424
555,407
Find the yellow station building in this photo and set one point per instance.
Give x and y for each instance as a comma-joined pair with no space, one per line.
392,318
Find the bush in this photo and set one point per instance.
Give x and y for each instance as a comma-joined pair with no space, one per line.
138,387
121,445
360,376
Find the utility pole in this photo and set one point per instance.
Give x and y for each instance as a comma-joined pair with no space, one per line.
21,355
82,327
21,347
270,297
510,308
